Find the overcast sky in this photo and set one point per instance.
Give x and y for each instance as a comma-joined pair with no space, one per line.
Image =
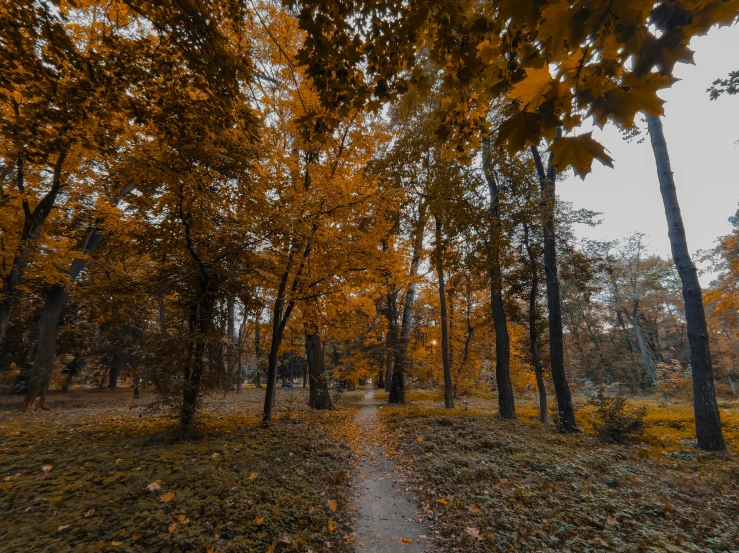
702,140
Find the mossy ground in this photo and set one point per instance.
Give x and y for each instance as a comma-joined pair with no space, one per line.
492,485
96,473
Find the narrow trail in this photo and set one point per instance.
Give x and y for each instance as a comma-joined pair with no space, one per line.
388,521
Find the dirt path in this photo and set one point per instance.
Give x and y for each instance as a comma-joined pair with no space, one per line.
388,521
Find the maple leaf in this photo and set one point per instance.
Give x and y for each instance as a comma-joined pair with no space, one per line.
154,486
167,497
172,527
271,548
253,475
531,90
579,152
258,520
474,532
332,505
474,509
419,439
486,51
442,501
331,526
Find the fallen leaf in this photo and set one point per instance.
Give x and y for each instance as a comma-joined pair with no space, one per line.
136,537
172,527
419,439
442,501
47,468
475,510
271,548
115,543
258,520
332,505
63,528
167,497
331,526
154,486
253,475
474,532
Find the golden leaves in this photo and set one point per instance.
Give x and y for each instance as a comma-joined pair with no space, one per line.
167,497
486,51
332,505
258,520
253,475
443,501
419,439
172,527
579,152
530,91
271,548
331,526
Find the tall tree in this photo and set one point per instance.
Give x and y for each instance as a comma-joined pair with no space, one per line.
707,418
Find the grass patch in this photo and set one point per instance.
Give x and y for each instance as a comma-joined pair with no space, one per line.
104,478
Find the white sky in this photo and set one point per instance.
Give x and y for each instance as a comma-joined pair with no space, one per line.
702,140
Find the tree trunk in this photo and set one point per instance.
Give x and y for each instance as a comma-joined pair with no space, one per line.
646,358
319,397
33,222
43,361
397,382
448,386
533,335
707,419
565,407
506,403
115,370
389,345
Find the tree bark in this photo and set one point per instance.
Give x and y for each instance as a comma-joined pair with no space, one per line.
565,407
397,382
506,402
115,370
318,396
707,418
446,362
533,335
646,358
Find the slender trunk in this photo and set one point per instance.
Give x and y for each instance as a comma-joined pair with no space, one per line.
565,407
258,354
533,337
397,382
448,387
162,314
319,397
389,345
707,419
115,370
136,387
646,358
32,225
506,403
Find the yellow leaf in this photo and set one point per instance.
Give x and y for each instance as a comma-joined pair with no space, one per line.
136,537
181,518
531,90
332,505
486,51
167,497
475,510
442,501
579,152
172,527
331,526
419,439
115,543
258,520
271,548
253,475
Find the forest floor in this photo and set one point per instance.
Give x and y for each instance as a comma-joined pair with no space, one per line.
102,472
492,485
